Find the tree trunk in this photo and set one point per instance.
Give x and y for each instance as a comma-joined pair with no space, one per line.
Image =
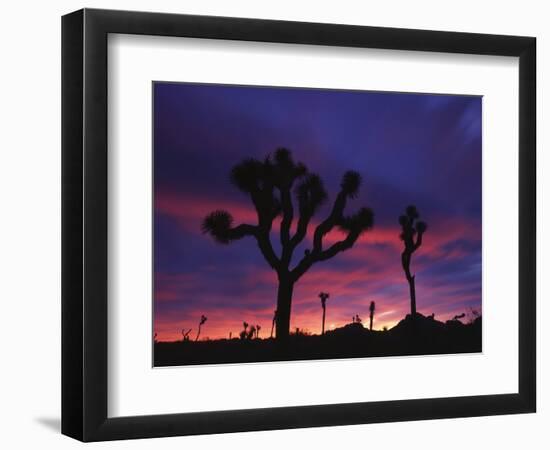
284,301
198,334
323,329
413,296
406,261
371,321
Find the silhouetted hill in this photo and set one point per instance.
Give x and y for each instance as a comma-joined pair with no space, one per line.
349,330
421,336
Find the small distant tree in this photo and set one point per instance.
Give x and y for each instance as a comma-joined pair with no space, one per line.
271,185
244,334
371,310
258,328
185,334
323,296
201,323
412,231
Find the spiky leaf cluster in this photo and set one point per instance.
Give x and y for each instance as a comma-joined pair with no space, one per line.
351,181
218,223
359,222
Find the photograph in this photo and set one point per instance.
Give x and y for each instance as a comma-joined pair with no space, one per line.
296,223
240,225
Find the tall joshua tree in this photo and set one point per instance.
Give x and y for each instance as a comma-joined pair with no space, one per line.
270,185
371,310
201,323
412,231
323,296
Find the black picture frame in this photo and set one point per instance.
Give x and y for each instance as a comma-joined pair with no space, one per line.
84,224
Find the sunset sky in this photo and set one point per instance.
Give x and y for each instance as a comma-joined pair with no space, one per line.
409,148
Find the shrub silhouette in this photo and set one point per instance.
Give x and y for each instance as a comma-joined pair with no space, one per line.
201,323
270,185
251,332
323,296
371,310
185,334
412,231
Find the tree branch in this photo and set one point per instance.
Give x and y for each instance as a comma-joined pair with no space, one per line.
264,242
315,256
242,231
418,242
219,224
301,231
330,222
288,213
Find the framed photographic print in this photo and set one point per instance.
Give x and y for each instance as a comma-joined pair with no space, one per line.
252,208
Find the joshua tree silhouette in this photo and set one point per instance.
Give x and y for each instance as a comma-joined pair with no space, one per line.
258,328
243,334
270,184
412,231
323,296
371,309
201,323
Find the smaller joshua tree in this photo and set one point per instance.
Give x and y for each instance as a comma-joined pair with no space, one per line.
243,334
323,296
251,332
258,328
201,323
371,310
412,231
